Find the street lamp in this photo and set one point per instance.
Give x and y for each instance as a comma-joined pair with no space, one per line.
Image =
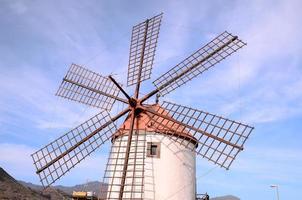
277,190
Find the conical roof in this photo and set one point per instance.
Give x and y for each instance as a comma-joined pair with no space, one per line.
150,123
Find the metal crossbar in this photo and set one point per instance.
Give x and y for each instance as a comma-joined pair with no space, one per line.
142,49
52,161
87,87
219,139
212,53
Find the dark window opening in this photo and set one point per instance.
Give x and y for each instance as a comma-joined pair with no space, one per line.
153,149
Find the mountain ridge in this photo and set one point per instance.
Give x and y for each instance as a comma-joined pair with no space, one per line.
11,189
94,186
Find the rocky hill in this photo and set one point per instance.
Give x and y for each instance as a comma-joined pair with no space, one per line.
12,189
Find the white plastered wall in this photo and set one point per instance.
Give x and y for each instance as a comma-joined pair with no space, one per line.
172,175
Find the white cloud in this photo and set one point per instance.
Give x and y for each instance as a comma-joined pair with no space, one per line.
16,160
18,7
91,169
262,81
30,96
63,36
270,163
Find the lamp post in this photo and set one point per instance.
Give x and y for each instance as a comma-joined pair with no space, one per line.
277,190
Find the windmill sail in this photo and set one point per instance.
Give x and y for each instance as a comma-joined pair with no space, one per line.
87,87
58,157
212,53
219,139
142,49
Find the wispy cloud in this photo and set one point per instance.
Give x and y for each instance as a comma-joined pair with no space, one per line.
254,171
262,81
30,96
273,164
16,159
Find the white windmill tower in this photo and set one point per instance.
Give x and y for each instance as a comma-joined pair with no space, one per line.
157,166
153,152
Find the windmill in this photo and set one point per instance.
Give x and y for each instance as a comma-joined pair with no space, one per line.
153,151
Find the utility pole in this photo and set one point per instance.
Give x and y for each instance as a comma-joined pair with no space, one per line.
277,190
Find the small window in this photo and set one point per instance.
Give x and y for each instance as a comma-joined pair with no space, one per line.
153,149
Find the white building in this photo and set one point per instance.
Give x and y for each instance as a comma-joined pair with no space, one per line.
158,167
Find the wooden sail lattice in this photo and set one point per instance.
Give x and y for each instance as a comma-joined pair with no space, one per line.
87,87
142,49
218,139
134,185
64,153
203,59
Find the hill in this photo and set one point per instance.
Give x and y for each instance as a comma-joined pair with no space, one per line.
228,197
12,189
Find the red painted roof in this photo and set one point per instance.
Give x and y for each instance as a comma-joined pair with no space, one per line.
146,121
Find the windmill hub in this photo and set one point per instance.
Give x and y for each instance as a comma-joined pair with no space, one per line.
132,102
137,111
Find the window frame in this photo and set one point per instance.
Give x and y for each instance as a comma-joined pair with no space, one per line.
149,148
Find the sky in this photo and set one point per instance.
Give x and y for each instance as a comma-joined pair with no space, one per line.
260,85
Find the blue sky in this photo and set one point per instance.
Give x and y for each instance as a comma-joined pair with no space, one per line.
260,85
